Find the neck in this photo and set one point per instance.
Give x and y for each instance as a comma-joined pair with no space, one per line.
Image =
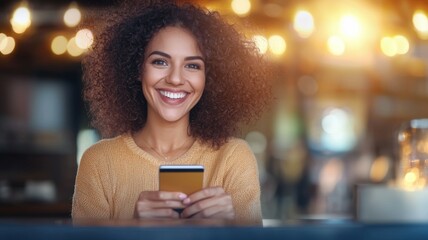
165,139
164,135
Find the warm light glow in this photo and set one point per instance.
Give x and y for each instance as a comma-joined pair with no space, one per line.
402,44
84,38
277,44
72,16
388,46
420,22
21,19
411,177
392,46
330,175
350,26
241,7
304,23
73,49
3,41
336,45
379,169
261,43
422,146
59,45
8,47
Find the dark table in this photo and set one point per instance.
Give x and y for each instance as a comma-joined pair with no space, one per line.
35,229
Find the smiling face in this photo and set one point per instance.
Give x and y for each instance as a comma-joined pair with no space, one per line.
173,76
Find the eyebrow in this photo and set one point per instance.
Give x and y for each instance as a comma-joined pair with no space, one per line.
169,56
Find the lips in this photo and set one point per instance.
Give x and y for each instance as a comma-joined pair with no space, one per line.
173,97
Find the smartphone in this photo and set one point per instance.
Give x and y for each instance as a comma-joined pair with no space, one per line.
181,178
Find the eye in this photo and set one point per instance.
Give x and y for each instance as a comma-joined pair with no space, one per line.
194,66
159,62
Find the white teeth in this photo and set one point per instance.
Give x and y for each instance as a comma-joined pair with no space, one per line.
173,95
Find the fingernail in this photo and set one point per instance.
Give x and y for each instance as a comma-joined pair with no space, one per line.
186,201
182,196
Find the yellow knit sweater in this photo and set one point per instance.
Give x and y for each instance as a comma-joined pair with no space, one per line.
113,172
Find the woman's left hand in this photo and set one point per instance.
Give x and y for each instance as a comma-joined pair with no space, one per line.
212,202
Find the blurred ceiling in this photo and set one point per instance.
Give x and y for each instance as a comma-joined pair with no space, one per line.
269,16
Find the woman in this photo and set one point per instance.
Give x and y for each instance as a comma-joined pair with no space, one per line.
170,84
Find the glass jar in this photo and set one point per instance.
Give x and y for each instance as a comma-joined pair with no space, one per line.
412,170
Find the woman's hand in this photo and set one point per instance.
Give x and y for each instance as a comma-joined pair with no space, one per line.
211,202
159,204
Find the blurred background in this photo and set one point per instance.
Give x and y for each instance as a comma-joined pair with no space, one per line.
347,74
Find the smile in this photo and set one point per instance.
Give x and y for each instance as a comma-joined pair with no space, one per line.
173,95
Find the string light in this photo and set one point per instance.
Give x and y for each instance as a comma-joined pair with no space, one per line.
84,38
7,45
277,45
72,16
59,45
21,19
261,43
241,7
303,23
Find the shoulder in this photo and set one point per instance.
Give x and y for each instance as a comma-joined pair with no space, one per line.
104,147
107,143
236,146
234,143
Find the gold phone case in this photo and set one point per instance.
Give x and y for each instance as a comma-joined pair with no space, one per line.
181,178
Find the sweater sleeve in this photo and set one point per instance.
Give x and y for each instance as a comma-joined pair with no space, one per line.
90,199
242,182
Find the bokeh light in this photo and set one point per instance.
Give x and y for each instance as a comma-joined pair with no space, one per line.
277,44
72,16
379,169
402,44
336,45
420,23
73,49
21,19
350,26
303,23
7,45
388,46
3,41
59,45
261,43
84,38
241,7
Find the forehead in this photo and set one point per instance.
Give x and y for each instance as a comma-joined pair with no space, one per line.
175,40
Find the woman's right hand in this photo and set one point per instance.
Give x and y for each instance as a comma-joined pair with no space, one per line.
158,204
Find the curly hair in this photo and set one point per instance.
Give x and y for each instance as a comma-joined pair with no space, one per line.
237,87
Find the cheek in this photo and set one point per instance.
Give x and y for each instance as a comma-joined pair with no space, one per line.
199,82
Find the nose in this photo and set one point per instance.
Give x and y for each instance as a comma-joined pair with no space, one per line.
175,76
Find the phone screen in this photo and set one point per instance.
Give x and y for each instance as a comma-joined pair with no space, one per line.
181,178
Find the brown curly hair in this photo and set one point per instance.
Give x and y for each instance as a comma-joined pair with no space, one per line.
237,87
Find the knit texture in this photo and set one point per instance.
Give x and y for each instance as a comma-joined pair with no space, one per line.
113,172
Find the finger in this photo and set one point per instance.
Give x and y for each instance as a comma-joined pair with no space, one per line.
161,204
203,194
215,204
158,213
161,195
216,212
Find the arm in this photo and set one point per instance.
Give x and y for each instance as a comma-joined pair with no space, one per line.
90,198
242,183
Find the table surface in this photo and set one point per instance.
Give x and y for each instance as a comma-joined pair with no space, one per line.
17,229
